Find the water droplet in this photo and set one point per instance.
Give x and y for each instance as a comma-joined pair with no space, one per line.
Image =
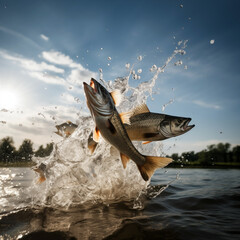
109,58
140,58
100,70
76,56
134,76
77,100
181,6
127,65
179,43
108,64
138,77
153,68
101,48
185,67
212,41
139,70
178,63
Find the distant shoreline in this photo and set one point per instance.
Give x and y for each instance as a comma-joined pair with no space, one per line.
173,165
17,164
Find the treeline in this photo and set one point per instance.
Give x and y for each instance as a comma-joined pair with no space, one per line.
25,152
221,154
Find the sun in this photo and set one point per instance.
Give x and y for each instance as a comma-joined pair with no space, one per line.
9,99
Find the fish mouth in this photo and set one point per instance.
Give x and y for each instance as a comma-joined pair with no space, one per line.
92,87
187,127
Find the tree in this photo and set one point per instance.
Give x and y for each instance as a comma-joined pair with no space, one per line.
7,150
25,151
43,152
40,152
236,154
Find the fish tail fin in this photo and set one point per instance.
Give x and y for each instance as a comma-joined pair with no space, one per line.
41,178
151,164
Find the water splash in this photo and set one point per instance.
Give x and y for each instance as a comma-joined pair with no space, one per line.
75,177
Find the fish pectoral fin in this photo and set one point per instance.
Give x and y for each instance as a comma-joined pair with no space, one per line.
96,134
91,143
117,97
146,142
125,117
125,159
151,164
92,147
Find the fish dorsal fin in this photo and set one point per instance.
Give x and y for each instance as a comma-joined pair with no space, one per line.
125,117
135,111
96,134
140,109
116,96
125,159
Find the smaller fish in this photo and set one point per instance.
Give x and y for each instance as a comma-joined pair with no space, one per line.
66,129
147,126
40,170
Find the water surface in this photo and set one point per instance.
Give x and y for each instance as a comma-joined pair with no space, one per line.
200,204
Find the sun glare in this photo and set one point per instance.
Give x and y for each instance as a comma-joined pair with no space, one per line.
9,99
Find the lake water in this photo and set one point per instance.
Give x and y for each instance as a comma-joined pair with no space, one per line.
198,204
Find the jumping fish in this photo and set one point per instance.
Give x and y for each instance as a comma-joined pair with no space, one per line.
147,126
109,123
66,129
40,170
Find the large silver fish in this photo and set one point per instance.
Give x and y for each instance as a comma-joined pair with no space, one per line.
147,126
109,123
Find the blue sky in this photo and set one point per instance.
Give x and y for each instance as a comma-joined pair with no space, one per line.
47,48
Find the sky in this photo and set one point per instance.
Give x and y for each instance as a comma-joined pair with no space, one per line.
48,48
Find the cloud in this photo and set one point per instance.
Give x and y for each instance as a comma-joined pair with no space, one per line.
25,129
78,76
206,105
30,64
19,35
68,98
60,59
47,78
44,37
